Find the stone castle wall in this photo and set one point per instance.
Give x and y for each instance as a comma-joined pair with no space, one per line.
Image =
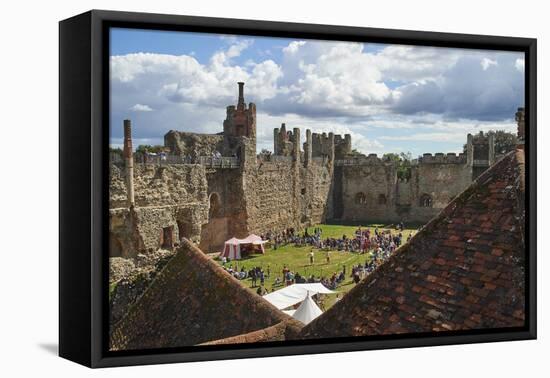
193,144
371,191
170,202
154,185
292,188
286,194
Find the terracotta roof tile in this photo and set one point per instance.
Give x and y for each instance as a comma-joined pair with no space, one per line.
463,270
192,301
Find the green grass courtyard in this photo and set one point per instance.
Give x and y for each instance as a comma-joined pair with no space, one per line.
297,260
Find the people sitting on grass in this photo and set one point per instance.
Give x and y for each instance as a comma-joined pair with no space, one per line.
363,240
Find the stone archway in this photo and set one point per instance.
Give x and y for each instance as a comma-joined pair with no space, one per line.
167,237
215,206
215,232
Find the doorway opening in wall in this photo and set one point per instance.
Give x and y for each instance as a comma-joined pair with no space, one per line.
215,206
167,237
115,247
184,229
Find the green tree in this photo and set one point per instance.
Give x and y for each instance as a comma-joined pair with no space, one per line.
143,148
504,141
355,153
402,162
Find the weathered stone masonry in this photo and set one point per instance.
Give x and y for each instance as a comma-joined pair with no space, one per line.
301,184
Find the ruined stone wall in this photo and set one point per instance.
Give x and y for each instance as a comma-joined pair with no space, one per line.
227,215
371,191
159,185
318,183
442,181
193,144
279,195
342,146
368,191
171,202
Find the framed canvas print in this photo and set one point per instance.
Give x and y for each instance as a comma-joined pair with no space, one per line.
235,188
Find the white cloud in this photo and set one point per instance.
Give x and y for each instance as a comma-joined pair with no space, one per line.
141,108
328,77
323,86
293,47
414,63
469,89
486,63
520,65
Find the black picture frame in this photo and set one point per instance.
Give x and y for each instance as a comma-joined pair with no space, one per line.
83,196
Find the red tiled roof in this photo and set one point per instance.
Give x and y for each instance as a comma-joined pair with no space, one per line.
463,270
287,330
192,301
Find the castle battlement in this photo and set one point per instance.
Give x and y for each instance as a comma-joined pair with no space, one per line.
370,159
441,158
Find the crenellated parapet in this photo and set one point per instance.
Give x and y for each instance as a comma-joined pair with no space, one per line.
441,158
370,159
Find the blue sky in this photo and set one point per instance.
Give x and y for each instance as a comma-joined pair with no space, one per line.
390,98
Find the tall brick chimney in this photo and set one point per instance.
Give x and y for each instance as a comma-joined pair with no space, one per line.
129,162
240,103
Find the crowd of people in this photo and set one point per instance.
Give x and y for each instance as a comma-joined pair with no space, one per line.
379,244
363,240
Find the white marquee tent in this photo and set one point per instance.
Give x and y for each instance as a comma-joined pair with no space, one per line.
307,311
293,294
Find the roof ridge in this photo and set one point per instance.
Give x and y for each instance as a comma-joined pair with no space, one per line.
422,251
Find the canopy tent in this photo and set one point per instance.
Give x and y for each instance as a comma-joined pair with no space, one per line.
254,240
292,294
232,247
307,311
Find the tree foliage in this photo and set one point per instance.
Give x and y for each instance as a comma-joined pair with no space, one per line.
144,148
403,163
504,141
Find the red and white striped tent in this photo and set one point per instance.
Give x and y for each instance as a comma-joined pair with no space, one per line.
232,247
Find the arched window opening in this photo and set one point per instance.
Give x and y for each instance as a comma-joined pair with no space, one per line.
426,201
360,198
215,206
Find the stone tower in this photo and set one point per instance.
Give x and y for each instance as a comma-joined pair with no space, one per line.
240,120
480,152
520,119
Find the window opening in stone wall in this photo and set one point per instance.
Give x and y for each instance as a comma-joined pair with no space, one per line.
426,201
360,198
167,237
